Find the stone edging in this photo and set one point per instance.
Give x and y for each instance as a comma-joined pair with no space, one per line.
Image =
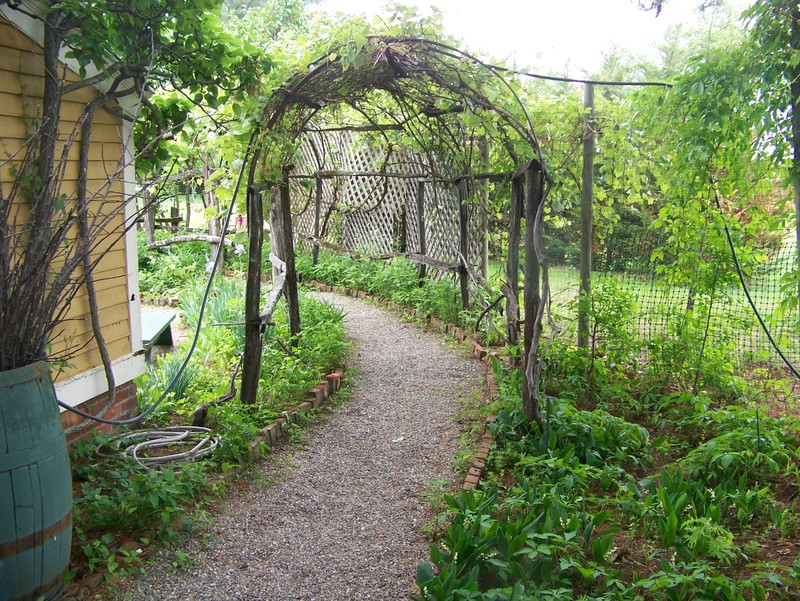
484,355
278,430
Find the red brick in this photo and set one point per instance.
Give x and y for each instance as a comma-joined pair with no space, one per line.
316,396
334,381
255,450
271,434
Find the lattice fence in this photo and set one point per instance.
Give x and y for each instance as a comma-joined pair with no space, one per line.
377,214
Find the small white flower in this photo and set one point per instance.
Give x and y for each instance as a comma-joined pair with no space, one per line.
239,249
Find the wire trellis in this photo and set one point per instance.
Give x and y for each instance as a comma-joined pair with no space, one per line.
664,309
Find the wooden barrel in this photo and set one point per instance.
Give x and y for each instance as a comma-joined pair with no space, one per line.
35,487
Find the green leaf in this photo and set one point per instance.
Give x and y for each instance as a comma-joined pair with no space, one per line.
424,573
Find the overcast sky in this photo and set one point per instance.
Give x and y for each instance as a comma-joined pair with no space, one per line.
554,35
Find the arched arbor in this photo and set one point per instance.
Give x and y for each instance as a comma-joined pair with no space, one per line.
443,105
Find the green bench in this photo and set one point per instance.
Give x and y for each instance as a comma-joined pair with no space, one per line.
156,329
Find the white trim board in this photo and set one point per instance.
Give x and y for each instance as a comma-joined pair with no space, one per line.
89,384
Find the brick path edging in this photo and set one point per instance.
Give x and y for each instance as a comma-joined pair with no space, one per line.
277,431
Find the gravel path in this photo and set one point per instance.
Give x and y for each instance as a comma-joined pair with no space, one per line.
344,525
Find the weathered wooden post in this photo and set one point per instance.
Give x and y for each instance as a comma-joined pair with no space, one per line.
511,289
463,241
534,191
587,195
484,211
149,218
251,360
276,234
421,226
290,289
317,210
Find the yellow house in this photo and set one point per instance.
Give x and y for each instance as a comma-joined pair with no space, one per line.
111,188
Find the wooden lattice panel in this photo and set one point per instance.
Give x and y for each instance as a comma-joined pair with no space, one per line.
372,207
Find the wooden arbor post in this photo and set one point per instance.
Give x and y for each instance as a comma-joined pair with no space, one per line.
317,211
283,247
587,193
423,246
251,360
484,210
463,241
511,288
534,195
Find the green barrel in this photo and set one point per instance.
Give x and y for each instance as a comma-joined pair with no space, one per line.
35,487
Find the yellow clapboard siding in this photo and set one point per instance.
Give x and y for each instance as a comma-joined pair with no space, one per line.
98,172
83,354
16,128
112,306
22,61
13,38
91,358
109,315
14,105
111,319
21,88
107,285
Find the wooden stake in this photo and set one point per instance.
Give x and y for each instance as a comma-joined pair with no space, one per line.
463,222
317,209
511,289
587,197
290,289
421,226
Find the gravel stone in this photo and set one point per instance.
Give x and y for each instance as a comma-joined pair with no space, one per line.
344,524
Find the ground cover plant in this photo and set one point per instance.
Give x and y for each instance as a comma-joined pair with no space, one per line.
637,490
398,280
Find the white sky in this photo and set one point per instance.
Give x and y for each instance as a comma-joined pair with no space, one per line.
549,35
